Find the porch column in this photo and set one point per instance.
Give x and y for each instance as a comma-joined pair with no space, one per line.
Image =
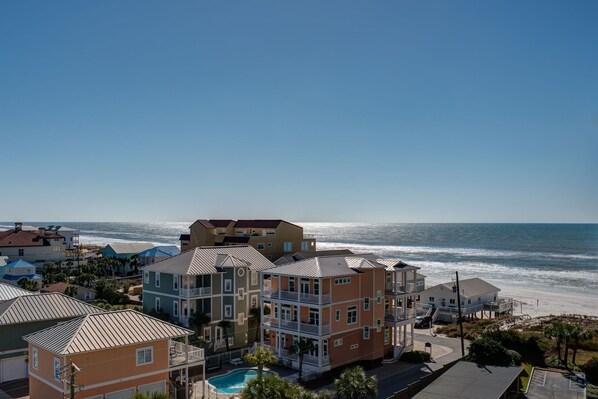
186,367
320,353
203,381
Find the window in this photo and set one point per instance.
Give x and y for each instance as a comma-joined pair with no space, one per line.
241,318
270,244
228,285
175,282
240,231
158,279
292,284
431,299
288,246
338,342
379,297
158,307
21,252
145,356
241,293
338,315
452,301
305,246
175,309
57,369
468,301
146,277
241,271
378,325
228,311
366,332
386,335
254,301
340,281
207,333
366,303
260,245
352,315
34,357
253,277
354,346
454,288
87,296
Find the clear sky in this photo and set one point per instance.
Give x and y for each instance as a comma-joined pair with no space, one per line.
402,111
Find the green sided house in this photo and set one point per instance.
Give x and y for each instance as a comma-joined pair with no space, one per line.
220,281
26,314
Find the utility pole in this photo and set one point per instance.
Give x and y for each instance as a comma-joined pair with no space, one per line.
460,318
74,370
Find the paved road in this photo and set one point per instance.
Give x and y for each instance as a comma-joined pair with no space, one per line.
550,384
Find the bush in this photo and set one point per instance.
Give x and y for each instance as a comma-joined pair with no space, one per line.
490,352
515,357
415,357
591,370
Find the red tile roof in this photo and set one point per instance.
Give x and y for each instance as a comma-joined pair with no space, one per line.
21,238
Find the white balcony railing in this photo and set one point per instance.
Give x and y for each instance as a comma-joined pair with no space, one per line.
400,288
295,296
400,315
195,292
184,354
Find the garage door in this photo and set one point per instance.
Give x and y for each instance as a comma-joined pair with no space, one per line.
13,368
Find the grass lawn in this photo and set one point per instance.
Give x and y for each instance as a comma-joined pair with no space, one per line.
525,376
592,391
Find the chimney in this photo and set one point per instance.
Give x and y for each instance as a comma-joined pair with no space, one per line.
18,226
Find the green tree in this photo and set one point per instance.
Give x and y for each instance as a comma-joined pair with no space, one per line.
489,352
226,326
556,331
256,315
260,358
354,384
270,387
26,284
578,335
300,348
71,291
198,320
153,395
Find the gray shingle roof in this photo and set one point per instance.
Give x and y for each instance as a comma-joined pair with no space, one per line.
104,331
38,307
8,292
326,266
206,260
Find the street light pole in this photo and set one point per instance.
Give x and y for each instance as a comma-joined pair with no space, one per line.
460,318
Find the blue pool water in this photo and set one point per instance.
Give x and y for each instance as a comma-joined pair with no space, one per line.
234,381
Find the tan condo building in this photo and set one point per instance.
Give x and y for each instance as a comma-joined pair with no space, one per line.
272,238
351,308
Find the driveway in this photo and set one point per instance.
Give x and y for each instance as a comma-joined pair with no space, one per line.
553,384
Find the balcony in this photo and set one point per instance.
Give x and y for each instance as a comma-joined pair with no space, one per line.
294,326
400,316
400,289
195,292
179,353
295,296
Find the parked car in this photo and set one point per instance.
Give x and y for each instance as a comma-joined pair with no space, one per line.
423,321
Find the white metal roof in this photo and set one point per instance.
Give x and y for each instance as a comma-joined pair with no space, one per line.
207,260
326,266
8,292
38,307
471,287
104,331
130,247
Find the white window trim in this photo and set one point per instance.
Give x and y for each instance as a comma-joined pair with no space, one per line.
241,293
146,277
157,279
209,333
157,304
366,304
253,302
230,285
151,348
175,309
175,282
338,342
253,277
34,358
228,311
349,310
338,315
366,332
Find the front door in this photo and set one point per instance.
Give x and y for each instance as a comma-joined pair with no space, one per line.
304,288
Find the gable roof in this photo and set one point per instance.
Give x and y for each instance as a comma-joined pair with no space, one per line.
8,292
161,251
326,266
20,264
38,307
129,247
104,331
471,287
208,260
21,238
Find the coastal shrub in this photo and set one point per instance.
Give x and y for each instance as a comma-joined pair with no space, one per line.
591,369
515,357
490,352
531,346
415,357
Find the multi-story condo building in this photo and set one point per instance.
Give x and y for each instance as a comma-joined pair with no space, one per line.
354,307
221,282
272,238
31,244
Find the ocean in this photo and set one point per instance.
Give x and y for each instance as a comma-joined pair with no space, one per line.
542,257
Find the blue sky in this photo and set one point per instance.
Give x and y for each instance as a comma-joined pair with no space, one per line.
403,111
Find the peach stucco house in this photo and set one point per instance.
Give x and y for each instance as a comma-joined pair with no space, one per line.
112,355
352,307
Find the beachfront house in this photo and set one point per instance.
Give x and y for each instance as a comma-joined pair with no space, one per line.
25,314
71,236
272,238
350,308
477,297
157,254
17,270
78,292
220,282
124,252
112,355
31,244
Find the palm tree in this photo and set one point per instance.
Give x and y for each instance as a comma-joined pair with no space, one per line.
556,330
580,334
71,291
260,358
271,386
198,320
353,384
300,348
27,284
225,325
256,315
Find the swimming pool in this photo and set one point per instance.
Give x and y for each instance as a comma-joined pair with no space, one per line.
234,381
